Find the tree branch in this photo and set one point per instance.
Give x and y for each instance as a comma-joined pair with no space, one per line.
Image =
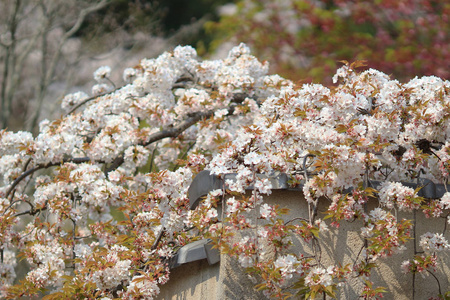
437,280
31,212
43,166
177,130
89,99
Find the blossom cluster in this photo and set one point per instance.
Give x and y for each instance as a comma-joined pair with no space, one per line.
433,242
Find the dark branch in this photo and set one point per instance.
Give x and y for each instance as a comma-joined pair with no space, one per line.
158,239
177,130
31,212
115,164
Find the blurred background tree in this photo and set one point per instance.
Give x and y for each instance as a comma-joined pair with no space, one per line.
36,46
306,39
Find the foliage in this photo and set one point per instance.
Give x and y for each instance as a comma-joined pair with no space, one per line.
97,202
305,39
130,16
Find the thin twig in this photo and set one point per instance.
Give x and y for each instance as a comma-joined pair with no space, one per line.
90,99
184,155
295,219
359,253
158,239
317,250
437,280
445,224
152,158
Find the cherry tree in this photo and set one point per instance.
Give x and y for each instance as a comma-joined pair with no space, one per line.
97,202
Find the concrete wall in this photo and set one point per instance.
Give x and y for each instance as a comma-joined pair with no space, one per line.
194,280
227,280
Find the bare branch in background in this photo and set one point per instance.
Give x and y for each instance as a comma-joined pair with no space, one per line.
48,70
